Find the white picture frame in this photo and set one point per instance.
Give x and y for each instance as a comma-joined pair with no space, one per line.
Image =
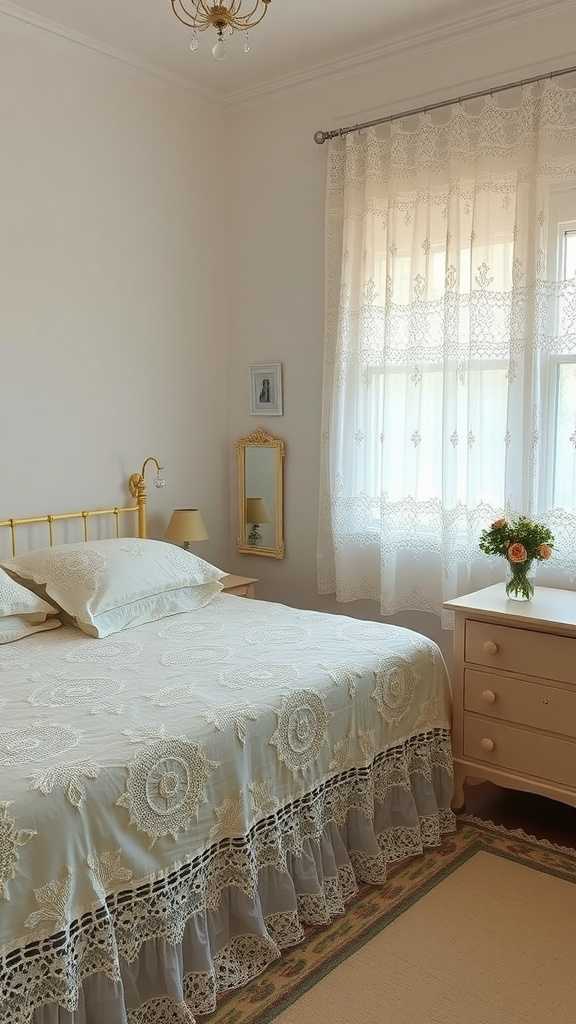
266,398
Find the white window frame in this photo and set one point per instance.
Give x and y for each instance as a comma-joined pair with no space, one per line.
562,222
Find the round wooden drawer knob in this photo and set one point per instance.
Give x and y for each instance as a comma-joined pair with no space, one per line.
487,745
489,696
490,647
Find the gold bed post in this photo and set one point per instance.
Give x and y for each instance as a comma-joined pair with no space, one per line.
138,491
137,485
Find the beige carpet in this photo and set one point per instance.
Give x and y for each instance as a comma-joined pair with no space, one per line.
480,931
494,943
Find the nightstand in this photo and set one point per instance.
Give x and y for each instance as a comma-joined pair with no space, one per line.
242,586
514,693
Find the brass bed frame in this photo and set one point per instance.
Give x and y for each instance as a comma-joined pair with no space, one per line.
137,488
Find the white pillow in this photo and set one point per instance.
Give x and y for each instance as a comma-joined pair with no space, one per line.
109,585
16,627
16,600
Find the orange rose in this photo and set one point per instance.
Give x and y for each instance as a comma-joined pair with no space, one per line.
517,552
545,551
497,524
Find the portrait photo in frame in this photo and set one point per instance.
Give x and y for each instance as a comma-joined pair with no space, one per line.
266,397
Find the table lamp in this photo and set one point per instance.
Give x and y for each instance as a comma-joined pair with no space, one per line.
186,526
256,514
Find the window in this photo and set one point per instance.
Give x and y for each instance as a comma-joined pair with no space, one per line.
482,411
560,487
564,383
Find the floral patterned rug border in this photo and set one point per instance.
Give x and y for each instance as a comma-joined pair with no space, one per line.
375,907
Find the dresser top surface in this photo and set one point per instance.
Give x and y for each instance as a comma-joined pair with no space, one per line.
549,607
230,581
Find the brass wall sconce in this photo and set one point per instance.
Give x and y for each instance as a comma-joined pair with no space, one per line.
137,486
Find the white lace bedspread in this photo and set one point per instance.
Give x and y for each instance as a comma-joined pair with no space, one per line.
122,758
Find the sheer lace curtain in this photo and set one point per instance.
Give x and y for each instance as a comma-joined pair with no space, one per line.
450,354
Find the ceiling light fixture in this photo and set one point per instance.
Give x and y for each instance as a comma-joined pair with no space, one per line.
226,18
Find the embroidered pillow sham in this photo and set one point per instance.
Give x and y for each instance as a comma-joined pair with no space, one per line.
110,585
16,627
17,600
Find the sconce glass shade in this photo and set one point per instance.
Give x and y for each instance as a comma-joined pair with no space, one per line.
256,511
186,526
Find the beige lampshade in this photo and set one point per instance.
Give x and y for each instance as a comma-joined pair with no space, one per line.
186,525
256,511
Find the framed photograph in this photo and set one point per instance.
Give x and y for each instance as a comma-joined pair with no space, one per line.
266,389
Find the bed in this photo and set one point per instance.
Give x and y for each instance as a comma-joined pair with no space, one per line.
180,800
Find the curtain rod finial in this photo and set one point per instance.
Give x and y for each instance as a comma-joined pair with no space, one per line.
320,137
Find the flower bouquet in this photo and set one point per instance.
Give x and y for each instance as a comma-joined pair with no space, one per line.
520,541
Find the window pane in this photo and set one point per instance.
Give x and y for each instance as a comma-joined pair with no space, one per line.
569,255
565,462
425,440
565,325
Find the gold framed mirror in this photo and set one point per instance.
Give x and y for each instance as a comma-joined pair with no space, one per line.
260,464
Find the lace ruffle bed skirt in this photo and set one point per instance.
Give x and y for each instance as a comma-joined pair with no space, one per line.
221,948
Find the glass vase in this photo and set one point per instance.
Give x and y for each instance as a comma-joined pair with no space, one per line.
520,580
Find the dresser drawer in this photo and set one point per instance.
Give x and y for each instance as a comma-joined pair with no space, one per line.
530,753
536,704
521,650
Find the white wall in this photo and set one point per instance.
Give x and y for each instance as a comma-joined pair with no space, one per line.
111,332
115,241
277,251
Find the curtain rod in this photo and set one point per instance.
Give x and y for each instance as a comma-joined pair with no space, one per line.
322,137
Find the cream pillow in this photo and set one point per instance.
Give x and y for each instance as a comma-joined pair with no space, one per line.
16,627
17,600
110,585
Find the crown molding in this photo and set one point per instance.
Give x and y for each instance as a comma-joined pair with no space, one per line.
513,11
459,28
18,13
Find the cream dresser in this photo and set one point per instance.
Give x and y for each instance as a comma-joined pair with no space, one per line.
514,717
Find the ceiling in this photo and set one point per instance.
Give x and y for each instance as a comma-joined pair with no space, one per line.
295,38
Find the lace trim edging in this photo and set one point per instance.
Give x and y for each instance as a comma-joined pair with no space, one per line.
52,970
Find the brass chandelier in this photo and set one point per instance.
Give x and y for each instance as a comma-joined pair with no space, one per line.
226,17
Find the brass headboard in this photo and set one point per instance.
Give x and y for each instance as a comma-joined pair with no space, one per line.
137,487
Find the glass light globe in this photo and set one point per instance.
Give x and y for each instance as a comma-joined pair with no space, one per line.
219,50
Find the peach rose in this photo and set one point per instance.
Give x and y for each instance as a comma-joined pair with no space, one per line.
498,523
545,551
517,552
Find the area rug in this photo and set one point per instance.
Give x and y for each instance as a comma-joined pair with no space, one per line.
480,931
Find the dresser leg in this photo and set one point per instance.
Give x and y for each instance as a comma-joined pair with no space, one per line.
459,799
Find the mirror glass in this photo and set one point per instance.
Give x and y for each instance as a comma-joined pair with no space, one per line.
260,483
260,495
